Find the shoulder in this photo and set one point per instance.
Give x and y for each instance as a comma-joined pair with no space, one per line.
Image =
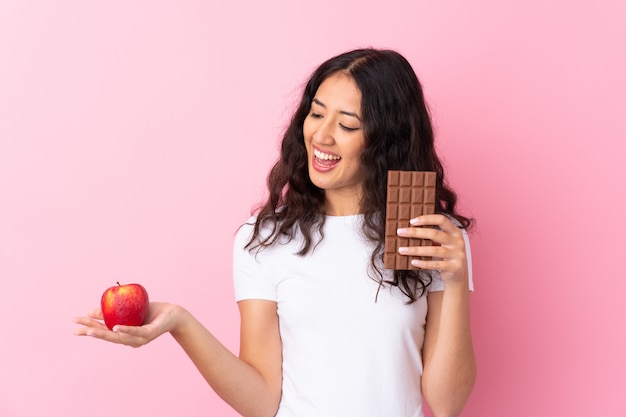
263,232
245,232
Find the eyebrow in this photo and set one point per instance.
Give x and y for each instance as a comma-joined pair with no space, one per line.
347,113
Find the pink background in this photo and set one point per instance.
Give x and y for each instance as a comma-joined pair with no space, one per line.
135,138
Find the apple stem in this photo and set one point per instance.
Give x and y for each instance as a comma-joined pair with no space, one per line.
118,284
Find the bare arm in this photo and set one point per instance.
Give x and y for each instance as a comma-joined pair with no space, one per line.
448,354
250,383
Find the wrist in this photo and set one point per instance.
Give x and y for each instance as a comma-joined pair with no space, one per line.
179,317
459,285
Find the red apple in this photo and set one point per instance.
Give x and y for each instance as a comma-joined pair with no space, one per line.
124,304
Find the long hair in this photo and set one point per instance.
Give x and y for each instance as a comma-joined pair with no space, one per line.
398,136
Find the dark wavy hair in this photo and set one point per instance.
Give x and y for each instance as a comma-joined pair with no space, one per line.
398,136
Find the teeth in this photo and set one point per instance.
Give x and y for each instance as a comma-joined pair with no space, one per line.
325,156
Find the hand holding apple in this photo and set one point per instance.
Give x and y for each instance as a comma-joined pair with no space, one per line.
124,304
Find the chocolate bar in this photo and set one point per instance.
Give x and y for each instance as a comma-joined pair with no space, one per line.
409,194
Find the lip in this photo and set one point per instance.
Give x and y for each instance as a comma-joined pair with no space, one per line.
323,167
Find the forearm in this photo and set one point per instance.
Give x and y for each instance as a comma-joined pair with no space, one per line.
236,382
450,370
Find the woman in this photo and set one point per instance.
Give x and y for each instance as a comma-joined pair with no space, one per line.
325,329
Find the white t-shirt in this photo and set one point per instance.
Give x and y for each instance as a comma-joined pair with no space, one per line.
345,353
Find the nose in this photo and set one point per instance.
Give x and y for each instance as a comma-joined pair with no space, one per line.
323,132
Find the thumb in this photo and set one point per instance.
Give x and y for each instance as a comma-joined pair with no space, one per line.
95,313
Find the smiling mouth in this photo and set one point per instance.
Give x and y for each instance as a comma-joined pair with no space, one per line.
325,159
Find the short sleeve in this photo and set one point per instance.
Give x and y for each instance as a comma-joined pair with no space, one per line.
437,283
249,277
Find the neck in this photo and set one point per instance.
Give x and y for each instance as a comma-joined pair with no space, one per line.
341,205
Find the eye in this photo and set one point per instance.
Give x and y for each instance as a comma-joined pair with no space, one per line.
314,115
349,129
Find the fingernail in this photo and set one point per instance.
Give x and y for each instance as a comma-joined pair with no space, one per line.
403,249
416,262
414,221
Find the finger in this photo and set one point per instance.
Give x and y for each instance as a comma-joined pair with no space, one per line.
429,233
127,339
111,336
95,313
428,251
88,327
135,331
435,220
438,265
89,322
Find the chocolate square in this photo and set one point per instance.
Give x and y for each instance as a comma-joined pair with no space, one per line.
409,194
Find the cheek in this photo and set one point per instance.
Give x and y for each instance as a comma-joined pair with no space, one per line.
356,149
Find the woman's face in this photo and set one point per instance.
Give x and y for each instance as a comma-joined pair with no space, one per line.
333,136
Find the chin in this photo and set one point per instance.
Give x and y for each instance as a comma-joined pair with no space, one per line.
318,184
